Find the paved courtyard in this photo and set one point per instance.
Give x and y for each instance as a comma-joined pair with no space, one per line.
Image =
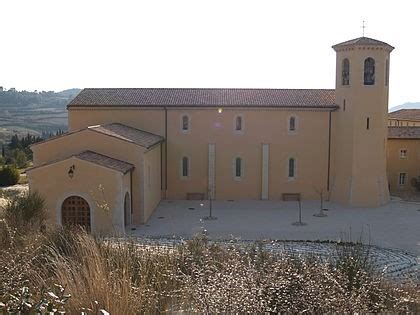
396,225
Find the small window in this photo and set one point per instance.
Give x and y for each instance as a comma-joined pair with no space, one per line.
238,168
387,72
185,167
344,105
402,179
292,124
403,153
185,123
239,123
367,123
369,71
345,76
292,168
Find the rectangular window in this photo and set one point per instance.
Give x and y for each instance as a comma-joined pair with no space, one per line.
185,167
402,179
387,72
403,153
238,167
367,123
291,168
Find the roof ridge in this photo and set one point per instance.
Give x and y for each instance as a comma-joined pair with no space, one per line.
104,155
137,129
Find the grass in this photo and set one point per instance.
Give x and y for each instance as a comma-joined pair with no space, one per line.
70,271
124,277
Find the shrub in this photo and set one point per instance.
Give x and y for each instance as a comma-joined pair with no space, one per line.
27,211
9,176
129,276
20,158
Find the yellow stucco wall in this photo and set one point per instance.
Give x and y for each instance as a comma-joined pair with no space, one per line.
101,187
397,164
151,120
359,154
77,142
309,145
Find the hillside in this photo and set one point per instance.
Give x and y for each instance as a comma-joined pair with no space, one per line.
35,112
405,106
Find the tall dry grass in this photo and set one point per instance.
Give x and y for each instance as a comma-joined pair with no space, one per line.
126,277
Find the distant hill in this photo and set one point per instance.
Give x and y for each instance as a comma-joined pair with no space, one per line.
405,106
34,112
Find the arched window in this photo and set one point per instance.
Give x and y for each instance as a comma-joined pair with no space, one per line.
369,72
238,123
185,167
292,168
292,123
238,168
185,123
345,74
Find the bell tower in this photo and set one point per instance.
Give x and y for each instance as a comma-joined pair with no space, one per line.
359,126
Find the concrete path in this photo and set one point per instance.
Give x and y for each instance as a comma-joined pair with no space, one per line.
396,225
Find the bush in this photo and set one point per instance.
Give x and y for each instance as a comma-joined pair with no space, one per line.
20,158
9,176
27,211
129,276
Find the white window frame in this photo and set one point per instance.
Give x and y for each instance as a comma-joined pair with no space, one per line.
242,124
294,171
238,178
181,167
405,179
294,131
403,156
181,123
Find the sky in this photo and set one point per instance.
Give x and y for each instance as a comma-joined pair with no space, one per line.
57,45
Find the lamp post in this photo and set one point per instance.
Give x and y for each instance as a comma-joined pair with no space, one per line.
321,213
210,216
299,223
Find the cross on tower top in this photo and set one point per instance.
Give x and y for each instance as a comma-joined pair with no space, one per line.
363,28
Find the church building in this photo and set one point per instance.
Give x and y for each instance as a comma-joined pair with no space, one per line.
128,149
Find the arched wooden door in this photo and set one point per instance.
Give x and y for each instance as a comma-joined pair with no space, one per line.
75,211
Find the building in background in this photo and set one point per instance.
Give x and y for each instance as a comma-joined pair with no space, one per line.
404,161
404,117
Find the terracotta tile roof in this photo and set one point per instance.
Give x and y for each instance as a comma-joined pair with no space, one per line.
362,41
105,161
315,98
407,114
403,132
117,130
95,158
130,134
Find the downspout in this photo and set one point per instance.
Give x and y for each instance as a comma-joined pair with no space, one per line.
131,197
329,152
166,151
